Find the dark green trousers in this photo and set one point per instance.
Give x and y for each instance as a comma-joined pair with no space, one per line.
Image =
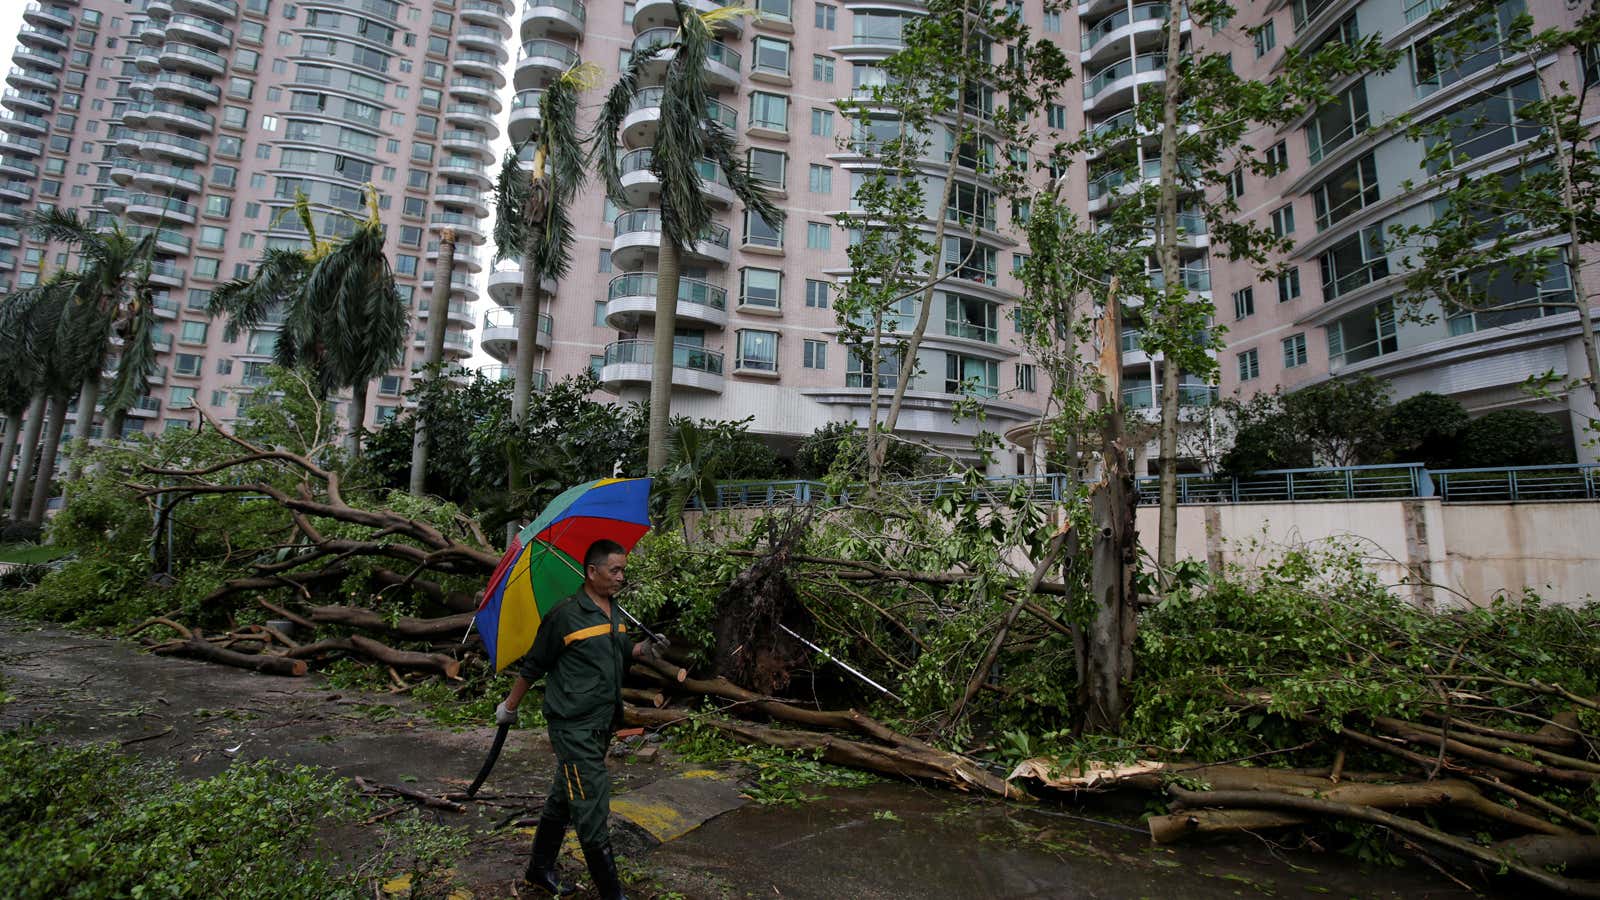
581,792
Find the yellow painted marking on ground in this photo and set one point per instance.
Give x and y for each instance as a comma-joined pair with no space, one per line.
700,773
662,822
398,885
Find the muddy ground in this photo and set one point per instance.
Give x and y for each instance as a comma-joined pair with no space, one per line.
683,828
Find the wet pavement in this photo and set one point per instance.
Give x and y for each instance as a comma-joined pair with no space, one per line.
883,841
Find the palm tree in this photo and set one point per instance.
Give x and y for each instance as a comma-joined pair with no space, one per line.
532,221
433,355
684,137
15,397
343,316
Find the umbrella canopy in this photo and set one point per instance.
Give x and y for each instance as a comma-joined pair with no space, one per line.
544,564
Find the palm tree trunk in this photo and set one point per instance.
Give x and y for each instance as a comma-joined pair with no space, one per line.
27,453
527,327
47,460
1167,251
438,318
88,399
358,415
667,277
8,452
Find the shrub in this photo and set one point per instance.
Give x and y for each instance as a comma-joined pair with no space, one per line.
1514,437
1425,428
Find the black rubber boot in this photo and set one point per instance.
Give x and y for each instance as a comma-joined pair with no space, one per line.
603,869
546,847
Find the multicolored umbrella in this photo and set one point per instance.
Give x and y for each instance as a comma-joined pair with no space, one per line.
544,564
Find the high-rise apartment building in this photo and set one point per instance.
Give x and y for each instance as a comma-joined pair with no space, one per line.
202,120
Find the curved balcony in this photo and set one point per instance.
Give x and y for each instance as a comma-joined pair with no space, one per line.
484,40
722,61
166,240
1109,37
643,119
631,297
459,312
467,169
12,213
461,195
630,363
155,176
525,115
216,9
469,229
44,38
199,31
20,191
1112,88
553,18
456,344
27,101
36,13
48,60
643,185
481,64
472,115
148,61
470,142
183,57
32,79
476,90
650,14
24,123
461,287
499,337
159,10
638,237
172,145
185,87
10,237
505,285
541,61
173,115
161,209
115,200
169,275
488,13
20,168
21,146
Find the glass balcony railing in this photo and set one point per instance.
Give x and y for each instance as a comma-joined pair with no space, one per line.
684,356
527,100
644,220
1144,12
508,318
716,113
206,25
205,57
1149,62
575,8
174,79
690,290
174,109
543,49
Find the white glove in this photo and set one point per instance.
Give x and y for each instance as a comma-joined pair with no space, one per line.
504,715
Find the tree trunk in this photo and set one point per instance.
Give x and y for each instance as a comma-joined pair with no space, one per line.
44,481
26,455
8,451
667,275
114,424
438,319
1167,252
1574,262
358,415
527,327
1108,639
88,399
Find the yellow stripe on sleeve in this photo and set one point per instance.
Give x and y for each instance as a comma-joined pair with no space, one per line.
585,633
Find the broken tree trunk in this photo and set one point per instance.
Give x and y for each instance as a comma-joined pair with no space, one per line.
389,656
405,627
199,648
1108,639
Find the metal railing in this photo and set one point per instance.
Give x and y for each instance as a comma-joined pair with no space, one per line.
1289,485
1518,485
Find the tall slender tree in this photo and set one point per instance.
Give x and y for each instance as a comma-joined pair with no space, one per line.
433,356
686,136
342,314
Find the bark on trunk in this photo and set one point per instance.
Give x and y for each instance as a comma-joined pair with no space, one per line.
1167,252
45,478
667,277
1108,662
27,456
438,319
527,327
358,416
8,452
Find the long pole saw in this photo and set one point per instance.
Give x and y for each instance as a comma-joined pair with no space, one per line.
838,662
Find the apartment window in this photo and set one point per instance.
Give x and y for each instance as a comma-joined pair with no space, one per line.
770,111
224,176
1026,381
761,288
389,385
758,232
235,117
180,398
1353,263
1491,123
1244,303
815,355
1052,21
1278,156
1283,221
599,314
405,264
758,351
971,376
819,236
820,179
1249,365
1266,38
1019,261
213,237
192,333
771,55
199,298
422,153
605,260
206,268
1338,122
768,166
822,122
1508,299
1294,351
628,9
779,10
822,69
1362,335
972,318
1289,286
857,367
1440,60
1056,116
1346,192
410,236
241,88
1235,184
187,365
816,294
827,17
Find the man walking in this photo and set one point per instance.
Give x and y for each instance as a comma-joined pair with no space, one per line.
581,650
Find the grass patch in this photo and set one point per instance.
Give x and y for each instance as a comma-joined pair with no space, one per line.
30,554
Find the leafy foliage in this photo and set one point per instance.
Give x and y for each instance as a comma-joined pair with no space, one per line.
1514,437
1425,427
1343,422
841,447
